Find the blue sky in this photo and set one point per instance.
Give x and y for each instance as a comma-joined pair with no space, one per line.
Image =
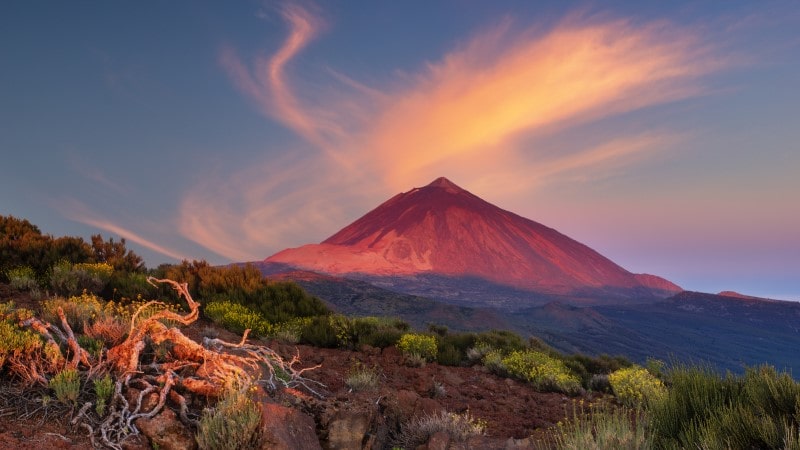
662,134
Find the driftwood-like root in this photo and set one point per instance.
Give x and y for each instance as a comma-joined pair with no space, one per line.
147,381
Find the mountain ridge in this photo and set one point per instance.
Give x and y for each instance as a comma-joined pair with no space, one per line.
443,229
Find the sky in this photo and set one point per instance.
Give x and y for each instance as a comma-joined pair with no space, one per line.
665,135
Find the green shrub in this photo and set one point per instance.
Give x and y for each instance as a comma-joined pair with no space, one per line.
493,360
233,424
586,367
611,429
320,332
71,279
130,285
291,331
635,386
542,371
103,388
66,385
421,345
694,396
361,378
92,345
237,318
501,340
449,355
378,332
276,302
453,348
762,414
23,279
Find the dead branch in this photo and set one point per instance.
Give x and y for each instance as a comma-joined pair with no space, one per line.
146,380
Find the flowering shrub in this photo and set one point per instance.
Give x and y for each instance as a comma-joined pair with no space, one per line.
635,386
79,309
542,371
237,318
70,279
16,342
419,345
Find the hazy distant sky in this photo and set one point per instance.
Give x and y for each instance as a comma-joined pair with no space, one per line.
665,135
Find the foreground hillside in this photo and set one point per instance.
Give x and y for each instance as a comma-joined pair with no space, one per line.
512,411
366,397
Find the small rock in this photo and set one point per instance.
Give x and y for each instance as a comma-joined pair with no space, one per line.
519,444
439,441
347,430
285,428
166,432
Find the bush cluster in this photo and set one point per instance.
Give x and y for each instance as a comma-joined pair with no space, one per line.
16,344
704,410
418,345
275,301
635,386
71,279
542,371
238,318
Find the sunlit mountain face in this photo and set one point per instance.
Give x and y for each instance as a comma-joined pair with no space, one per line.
441,229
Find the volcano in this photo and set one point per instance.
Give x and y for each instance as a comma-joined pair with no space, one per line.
443,230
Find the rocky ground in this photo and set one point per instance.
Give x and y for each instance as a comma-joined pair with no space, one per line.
515,415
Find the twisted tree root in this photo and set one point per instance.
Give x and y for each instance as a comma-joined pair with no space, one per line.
207,369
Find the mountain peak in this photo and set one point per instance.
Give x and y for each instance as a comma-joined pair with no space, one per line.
446,184
442,229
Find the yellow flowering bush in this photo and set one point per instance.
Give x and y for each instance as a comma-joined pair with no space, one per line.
635,386
237,318
77,309
16,342
69,279
102,271
420,345
542,371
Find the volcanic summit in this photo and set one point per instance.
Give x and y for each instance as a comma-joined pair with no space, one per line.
442,229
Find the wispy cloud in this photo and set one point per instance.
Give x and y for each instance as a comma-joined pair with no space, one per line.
478,102
266,82
477,114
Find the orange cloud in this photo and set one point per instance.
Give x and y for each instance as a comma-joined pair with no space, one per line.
479,115
474,103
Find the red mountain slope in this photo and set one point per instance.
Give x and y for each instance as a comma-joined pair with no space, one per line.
445,230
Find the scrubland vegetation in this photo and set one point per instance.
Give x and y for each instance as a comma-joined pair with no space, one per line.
98,314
